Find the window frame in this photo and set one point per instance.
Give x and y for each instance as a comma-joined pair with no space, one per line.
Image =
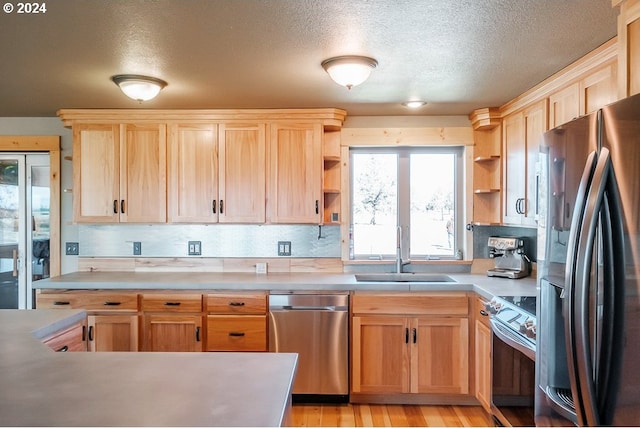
404,197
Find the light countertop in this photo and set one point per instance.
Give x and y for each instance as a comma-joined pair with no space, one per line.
45,388
203,281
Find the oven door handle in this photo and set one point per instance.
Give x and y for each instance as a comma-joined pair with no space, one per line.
513,339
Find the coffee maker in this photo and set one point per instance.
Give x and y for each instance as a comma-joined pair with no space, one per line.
509,257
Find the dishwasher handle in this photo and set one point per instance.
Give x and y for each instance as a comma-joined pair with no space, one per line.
309,308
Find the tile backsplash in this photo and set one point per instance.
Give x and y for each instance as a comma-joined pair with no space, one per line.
218,240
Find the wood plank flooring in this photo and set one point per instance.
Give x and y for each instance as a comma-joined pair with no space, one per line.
385,415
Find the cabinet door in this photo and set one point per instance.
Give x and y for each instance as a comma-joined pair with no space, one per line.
143,175
515,156
242,173
598,89
482,367
440,355
295,173
96,173
193,174
113,333
237,333
564,105
172,333
72,339
380,354
535,127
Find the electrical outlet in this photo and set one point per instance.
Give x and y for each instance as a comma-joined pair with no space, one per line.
261,268
71,248
137,248
284,248
195,248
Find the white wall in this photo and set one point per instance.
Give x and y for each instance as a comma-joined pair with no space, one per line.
52,126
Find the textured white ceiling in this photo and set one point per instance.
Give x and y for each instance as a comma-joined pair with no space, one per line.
457,55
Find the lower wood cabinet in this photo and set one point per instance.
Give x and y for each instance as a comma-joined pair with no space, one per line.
237,321
426,352
172,322
112,332
482,353
71,339
172,333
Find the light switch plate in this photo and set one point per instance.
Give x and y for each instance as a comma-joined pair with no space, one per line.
195,248
71,248
137,248
284,248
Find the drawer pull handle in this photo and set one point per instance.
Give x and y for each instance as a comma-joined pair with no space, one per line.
65,348
197,334
236,334
406,335
112,303
415,335
61,303
90,333
236,303
84,333
122,206
484,313
115,206
172,303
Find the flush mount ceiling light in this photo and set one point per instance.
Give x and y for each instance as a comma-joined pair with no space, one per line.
137,87
414,104
349,70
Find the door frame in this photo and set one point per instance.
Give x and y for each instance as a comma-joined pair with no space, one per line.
42,144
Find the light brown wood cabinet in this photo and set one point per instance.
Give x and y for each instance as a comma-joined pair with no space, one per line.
417,343
217,173
172,322
628,47
113,333
482,353
237,321
523,132
295,173
112,316
71,339
119,173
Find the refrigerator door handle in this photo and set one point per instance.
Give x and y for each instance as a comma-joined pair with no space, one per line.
587,410
570,275
609,368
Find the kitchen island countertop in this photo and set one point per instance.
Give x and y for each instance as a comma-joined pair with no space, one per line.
41,387
203,281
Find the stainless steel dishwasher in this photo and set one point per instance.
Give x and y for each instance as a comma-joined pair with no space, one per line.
315,325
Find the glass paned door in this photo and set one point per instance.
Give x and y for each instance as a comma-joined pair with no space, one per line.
24,227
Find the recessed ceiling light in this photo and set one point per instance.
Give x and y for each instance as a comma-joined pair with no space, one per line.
414,104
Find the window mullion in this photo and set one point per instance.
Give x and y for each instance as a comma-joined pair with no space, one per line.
404,200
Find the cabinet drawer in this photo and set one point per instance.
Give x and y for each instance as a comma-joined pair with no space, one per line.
236,332
479,308
69,340
91,301
237,303
172,302
435,303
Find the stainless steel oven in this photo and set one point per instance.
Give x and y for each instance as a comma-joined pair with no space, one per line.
513,323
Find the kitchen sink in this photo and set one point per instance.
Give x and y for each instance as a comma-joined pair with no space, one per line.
403,277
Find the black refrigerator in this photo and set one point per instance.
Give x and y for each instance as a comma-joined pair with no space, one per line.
588,312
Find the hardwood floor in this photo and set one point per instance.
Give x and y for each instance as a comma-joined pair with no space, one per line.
381,415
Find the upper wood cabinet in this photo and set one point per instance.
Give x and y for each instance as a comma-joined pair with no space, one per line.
522,134
295,173
119,173
628,47
193,174
217,173
204,166
242,173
